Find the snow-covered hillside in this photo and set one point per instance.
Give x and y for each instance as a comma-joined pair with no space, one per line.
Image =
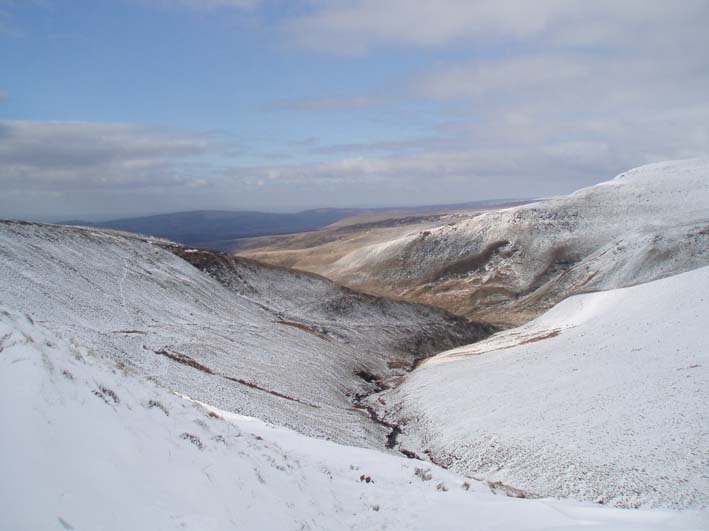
228,340
92,446
604,398
325,307
132,371
509,265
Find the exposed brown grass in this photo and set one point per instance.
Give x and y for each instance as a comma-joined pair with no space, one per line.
191,362
523,340
310,329
508,490
466,264
541,337
184,359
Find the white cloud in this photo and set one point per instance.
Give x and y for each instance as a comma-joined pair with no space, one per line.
523,150
569,92
70,169
457,170
65,170
324,104
354,27
361,25
81,155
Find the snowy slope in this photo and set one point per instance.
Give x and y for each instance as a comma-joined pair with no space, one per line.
334,311
136,303
96,447
604,398
510,265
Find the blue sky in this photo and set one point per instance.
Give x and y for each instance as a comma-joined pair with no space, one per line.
194,69
126,107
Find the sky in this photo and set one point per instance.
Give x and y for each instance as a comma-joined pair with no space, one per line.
115,108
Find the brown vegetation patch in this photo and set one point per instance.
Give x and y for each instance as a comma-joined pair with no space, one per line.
184,359
524,340
191,362
508,490
269,391
399,364
467,264
310,329
410,454
588,279
542,337
560,260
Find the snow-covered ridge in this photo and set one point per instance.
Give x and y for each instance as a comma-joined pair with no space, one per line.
509,265
603,398
94,446
286,348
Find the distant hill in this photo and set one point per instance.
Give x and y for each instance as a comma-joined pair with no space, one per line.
217,229
211,228
507,266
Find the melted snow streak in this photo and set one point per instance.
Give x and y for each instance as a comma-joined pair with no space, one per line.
603,398
95,446
510,265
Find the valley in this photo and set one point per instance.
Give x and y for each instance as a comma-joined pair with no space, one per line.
128,453
227,336
354,265
546,361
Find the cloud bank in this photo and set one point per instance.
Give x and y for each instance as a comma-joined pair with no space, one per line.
533,98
